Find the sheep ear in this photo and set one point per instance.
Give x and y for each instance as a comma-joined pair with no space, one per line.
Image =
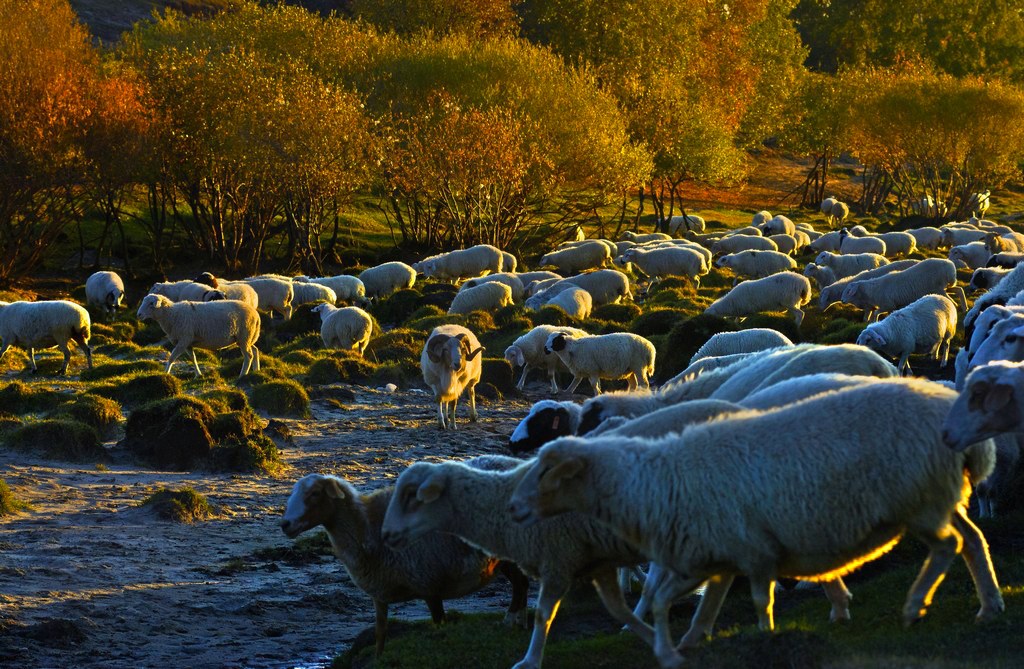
431,489
563,471
333,490
997,397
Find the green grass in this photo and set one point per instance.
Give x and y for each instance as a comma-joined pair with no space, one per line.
9,504
58,439
184,505
283,397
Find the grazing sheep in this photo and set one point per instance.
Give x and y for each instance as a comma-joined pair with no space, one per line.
454,498
345,287
800,388
629,236
850,245
509,262
489,296
529,279
670,261
575,302
796,505
787,244
612,356
737,243
528,352
760,218
971,256
347,328
539,299
827,242
182,291
832,293
274,294
986,278
777,225
436,568
756,264
848,265
1012,242
208,325
687,223
514,283
955,236
838,213
463,263
898,243
105,290
387,278
744,341
695,369
1011,284
898,289
606,286
587,255
826,205
925,325
222,290
927,237
1002,342
312,293
785,291
1005,260
748,231
451,365
45,324
927,206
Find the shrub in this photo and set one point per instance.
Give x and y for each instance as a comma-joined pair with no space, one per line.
183,506
617,313
8,423
171,434
303,358
9,504
498,373
19,398
141,389
102,414
656,321
58,439
777,322
402,373
549,314
283,397
479,322
841,331
426,311
684,339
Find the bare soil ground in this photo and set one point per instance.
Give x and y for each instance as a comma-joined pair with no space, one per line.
89,579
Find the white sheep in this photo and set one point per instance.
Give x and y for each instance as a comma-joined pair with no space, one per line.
483,297
387,278
676,261
575,302
898,243
800,388
756,264
1001,342
312,293
991,403
927,237
832,288
827,242
848,265
105,290
860,245
787,244
978,203
345,328
180,291
971,256
208,325
898,289
438,567
511,280
785,291
760,218
611,356
530,278
838,213
451,365
796,505
528,352
45,324
826,206
547,420
275,295
509,262
737,243
744,341
539,299
640,238
926,325
956,236
1011,284
586,255
688,223
463,263
746,231
1012,242
345,287
457,499
777,225
222,290
606,286
985,278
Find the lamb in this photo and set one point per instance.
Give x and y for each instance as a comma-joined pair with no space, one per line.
832,292
777,225
926,325
611,356
514,283
927,237
972,255
489,296
985,278
105,291
686,223
345,328
785,291
312,293
451,366
454,498
209,325
827,242
797,506
744,341
787,244
385,279
587,255
860,245
756,264
737,243
848,265
663,262
642,238
528,352
463,263
438,567
606,286
45,324
953,236
575,302
345,287
898,289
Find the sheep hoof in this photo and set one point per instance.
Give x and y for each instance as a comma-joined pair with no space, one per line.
990,613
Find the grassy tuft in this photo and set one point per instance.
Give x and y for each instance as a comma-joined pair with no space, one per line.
401,343
102,414
283,397
141,389
226,399
111,369
683,340
657,321
182,506
19,398
9,504
617,313
58,439
398,307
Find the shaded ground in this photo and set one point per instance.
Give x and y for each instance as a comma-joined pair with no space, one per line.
89,579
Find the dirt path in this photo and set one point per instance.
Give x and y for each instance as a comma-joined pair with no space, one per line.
89,579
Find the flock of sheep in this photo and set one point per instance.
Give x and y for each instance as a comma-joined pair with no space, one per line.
763,458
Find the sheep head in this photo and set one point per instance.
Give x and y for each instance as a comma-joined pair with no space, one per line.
514,356
418,505
871,338
114,299
214,296
556,342
150,304
555,484
987,406
315,500
208,279
465,349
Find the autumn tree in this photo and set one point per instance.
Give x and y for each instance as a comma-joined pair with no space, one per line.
480,18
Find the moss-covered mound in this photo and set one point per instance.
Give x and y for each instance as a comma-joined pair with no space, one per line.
399,306
58,439
657,321
141,389
549,314
9,504
8,423
683,340
111,369
100,413
283,397
498,373
340,367
617,313
226,399
19,398
401,343
182,506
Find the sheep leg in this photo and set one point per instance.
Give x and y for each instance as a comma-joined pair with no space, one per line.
32,359
607,586
707,611
668,591
66,350
655,575
3,350
596,383
548,599
176,352
522,379
576,381
380,624
762,591
472,404
256,356
86,349
797,314
442,417
554,381
943,352
195,361
517,612
904,364
246,362
943,546
979,563
451,413
840,598
436,606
